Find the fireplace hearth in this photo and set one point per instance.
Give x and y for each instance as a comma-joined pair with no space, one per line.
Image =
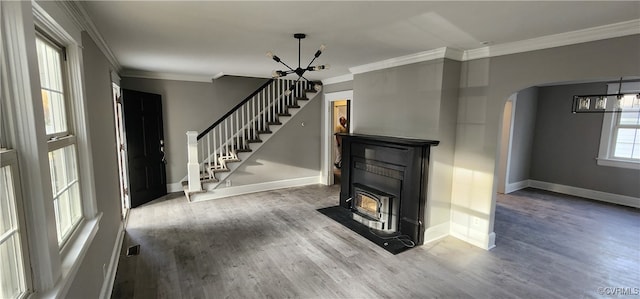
384,184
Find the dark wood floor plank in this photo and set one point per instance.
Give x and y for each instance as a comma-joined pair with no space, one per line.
277,245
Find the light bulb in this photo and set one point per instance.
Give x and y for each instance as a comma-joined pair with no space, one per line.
270,54
322,47
275,74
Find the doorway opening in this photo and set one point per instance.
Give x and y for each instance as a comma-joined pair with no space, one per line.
335,106
122,151
340,123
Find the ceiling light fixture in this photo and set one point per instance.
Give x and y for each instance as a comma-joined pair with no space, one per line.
606,103
299,70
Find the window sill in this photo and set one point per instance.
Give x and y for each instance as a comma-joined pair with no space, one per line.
618,163
73,257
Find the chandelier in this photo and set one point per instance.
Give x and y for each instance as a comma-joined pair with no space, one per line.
300,71
607,103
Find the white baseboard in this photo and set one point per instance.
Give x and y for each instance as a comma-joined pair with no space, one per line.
437,232
110,277
474,237
587,193
511,187
174,187
260,187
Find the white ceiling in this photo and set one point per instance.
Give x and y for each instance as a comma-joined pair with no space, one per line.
205,38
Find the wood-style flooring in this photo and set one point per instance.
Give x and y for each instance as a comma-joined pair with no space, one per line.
276,245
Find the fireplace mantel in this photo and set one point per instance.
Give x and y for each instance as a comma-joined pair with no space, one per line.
394,165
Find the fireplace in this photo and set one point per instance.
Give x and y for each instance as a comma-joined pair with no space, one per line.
384,184
374,208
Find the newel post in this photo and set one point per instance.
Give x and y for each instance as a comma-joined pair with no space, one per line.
193,166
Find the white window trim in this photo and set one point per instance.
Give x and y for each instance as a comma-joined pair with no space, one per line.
53,270
605,155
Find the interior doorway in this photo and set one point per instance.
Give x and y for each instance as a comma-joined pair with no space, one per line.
335,105
340,123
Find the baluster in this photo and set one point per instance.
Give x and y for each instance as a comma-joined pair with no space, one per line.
226,136
208,152
253,118
237,130
215,148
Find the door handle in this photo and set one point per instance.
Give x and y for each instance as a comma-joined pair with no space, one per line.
164,160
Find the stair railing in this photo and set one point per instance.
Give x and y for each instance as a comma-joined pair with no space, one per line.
209,151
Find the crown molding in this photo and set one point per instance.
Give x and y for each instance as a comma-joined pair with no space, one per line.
399,61
165,76
338,79
556,40
81,18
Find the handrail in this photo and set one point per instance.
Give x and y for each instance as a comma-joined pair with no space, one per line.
236,107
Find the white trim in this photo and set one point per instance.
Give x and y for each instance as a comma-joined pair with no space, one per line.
165,76
474,237
399,61
253,188
618,163
175,187
437,232
81,18
338,79
26,115
326,127
512,187
556,40
182,77
74,258
545,42
110,276
587,193
609,124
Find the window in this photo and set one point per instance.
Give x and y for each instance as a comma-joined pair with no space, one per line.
620,138
62,143
13,259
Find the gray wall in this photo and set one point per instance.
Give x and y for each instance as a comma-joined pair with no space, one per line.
342,86
566,144
191,106
523,132
486,84
416,101
292,153
89,278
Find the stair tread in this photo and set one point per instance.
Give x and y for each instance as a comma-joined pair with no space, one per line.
254,140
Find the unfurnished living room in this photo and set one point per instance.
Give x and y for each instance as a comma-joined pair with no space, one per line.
320,149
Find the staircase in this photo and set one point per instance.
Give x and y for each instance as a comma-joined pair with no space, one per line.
215,153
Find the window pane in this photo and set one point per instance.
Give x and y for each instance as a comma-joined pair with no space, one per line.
630,117
11,271
66,190
7,201
51,81
627,143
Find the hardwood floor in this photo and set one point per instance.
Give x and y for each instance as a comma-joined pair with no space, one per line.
276,245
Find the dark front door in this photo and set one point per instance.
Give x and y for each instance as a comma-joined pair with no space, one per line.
145,146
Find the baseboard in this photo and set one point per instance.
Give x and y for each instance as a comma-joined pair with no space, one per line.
511,187
110,276
587,193
260,187
174,187
477,238
437,232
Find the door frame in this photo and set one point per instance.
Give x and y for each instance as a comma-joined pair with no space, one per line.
327,131
121,150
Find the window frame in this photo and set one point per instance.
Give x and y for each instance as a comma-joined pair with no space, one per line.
610,123
63,139
9,158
